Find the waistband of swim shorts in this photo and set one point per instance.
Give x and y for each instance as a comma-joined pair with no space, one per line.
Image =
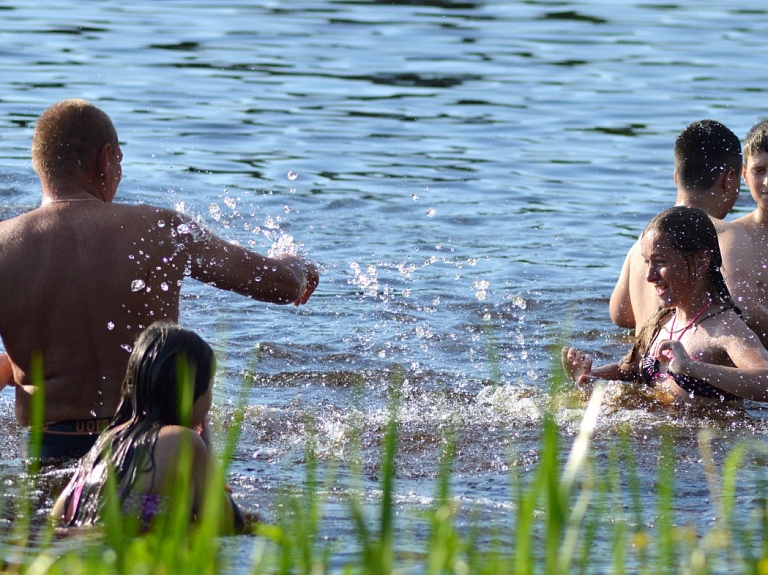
77,426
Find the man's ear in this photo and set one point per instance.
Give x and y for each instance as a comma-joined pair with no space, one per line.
104,158
731,178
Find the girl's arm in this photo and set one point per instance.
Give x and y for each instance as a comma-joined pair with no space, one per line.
206,472
578,365
204,475
748,380
6,370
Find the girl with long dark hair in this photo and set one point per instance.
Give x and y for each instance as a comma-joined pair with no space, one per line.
696,347
166,396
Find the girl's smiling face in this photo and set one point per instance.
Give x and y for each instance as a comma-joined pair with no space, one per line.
667,269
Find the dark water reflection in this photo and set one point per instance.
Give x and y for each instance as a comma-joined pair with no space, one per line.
468,174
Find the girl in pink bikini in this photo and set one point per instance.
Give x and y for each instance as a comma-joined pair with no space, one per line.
144,441
696,347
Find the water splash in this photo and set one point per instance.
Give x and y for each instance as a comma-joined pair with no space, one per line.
482,289
282,246
368,281
138,285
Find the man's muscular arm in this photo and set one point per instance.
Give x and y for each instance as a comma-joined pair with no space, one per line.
281,280
620,307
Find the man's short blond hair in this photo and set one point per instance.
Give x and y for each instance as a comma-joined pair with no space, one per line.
68,138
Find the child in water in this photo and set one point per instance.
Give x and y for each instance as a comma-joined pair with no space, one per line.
696,348
144,441
755,173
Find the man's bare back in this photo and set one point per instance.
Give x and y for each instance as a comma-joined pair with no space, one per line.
82,276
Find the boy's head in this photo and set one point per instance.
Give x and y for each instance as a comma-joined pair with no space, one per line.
704,151
756,140
755,170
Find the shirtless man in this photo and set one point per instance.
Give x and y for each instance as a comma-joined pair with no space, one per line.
81,276
755,173
707,169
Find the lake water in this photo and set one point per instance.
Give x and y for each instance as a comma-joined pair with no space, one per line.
469,176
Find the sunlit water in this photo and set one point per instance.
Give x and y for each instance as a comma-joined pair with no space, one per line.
469,177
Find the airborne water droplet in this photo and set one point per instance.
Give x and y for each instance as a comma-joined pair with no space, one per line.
110,326
164,286
137,285
292,175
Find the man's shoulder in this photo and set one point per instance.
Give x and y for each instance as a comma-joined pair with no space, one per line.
734,231
17,224
747,222
144,209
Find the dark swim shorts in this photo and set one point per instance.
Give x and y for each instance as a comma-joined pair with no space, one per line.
70,439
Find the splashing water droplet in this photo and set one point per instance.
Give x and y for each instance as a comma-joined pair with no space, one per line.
164,286
137,285
183,229
127,347
518,301
431,212
160,224
481,286
110,326
414,197
215,212
271,224
292,175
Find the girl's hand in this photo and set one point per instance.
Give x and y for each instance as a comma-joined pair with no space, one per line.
672,355
577,364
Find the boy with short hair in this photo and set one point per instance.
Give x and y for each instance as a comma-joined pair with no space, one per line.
755,174
707,161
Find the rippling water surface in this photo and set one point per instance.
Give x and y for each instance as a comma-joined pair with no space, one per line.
469,176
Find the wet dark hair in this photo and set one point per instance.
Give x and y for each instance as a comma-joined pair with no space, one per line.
690,231
704,151
167,362
757,139
152,381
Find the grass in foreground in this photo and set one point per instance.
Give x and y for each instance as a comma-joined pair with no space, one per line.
569,516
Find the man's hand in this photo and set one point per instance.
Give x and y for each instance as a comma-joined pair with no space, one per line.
311,279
